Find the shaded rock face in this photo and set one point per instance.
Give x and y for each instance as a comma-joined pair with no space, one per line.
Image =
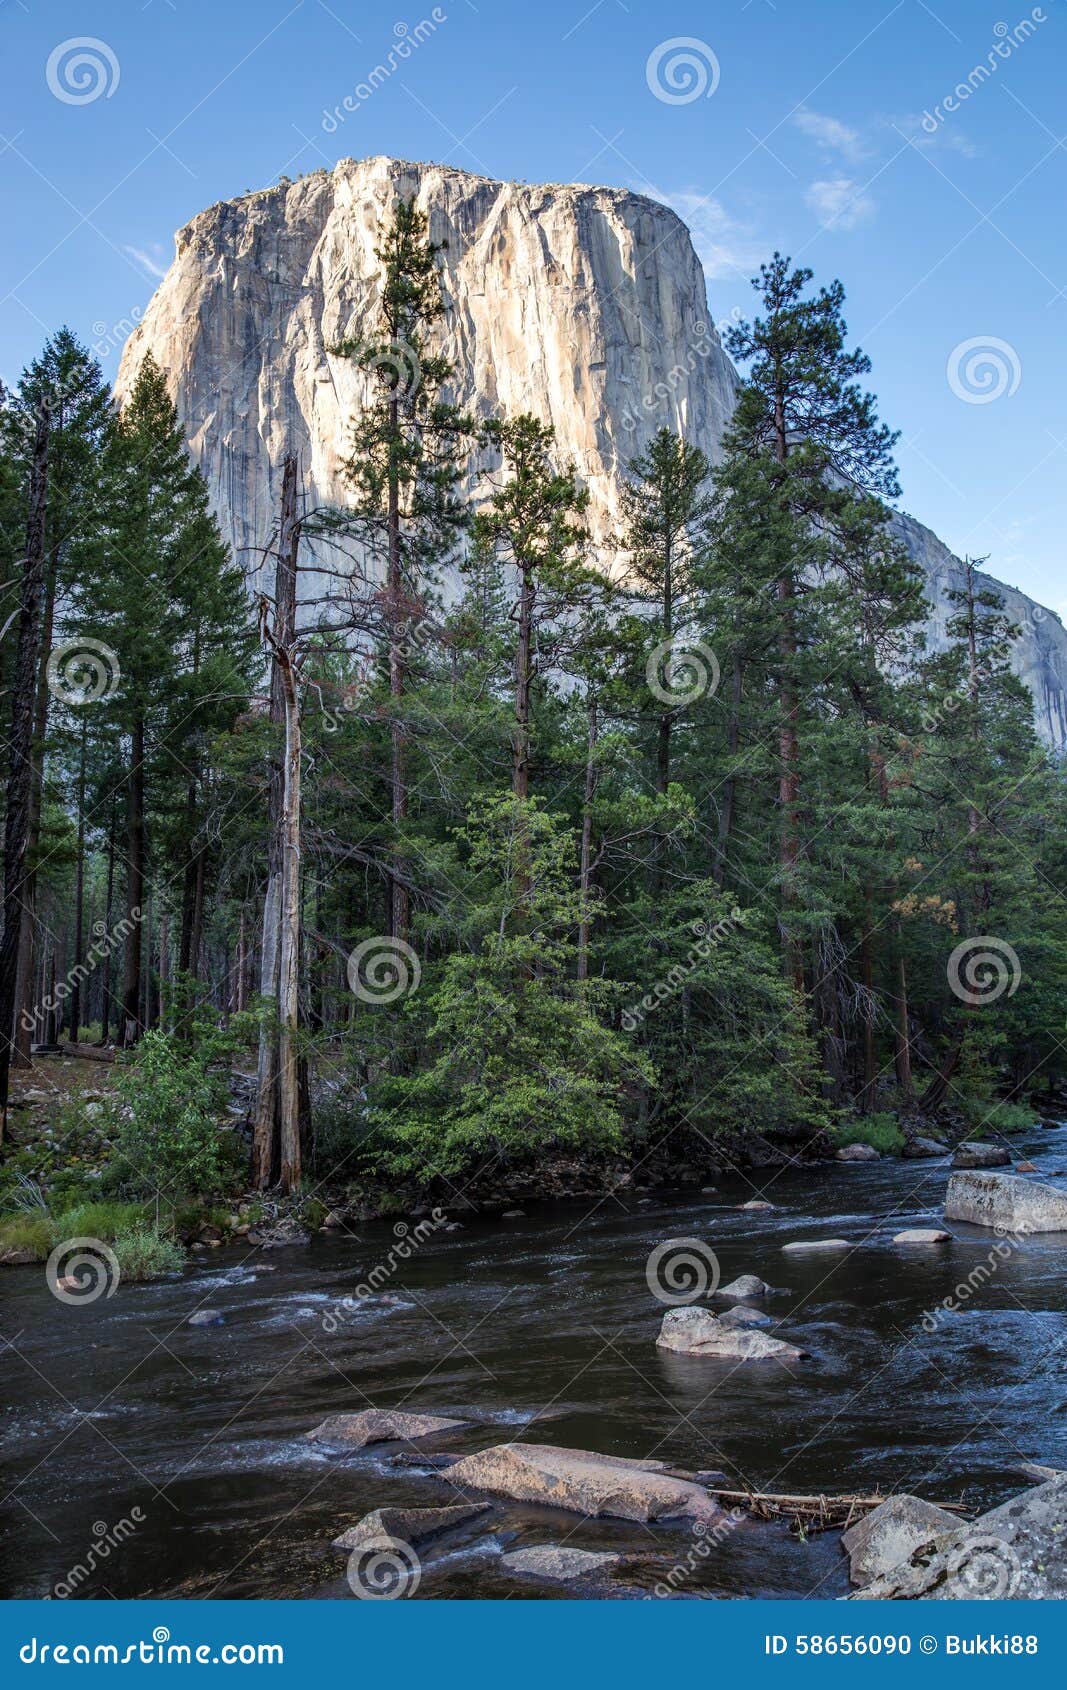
584,305
697,1332
378,1426
858,1153
890,1534
583,1483
746,1285
1018,1551
1005,1201
411,1525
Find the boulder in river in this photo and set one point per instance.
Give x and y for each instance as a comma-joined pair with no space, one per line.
411,1525
814,1246
890,1534
698,1332
742,1315
206,1317
1005,1200
981,1156
923,1235
378,1426
1017,1551
756,1203
558,1562
583,1483
745,1285
858,1153
919,1149
1025,1168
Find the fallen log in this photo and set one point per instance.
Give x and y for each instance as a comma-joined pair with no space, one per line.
810,1513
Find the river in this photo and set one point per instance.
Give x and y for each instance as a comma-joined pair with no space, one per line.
540,1328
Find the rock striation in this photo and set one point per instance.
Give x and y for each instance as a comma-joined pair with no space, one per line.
585,305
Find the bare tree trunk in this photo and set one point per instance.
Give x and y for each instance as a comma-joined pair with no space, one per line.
20,771
164,972
587,840
109,913
903,1052
266,1140
289,958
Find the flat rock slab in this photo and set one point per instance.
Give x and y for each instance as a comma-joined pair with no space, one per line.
583,1483
1018,1551
920,1149
411,1525
810,1246
857,1153
698,1332
550,1561
378,1426
745,1285
1005,1200
890,1534
923,1235
981,1156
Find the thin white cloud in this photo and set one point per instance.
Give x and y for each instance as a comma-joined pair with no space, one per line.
840,203
727,248
831,134
150,265
951,137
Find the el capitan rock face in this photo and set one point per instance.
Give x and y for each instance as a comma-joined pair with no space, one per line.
584,305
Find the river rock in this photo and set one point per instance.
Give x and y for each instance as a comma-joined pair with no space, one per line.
812,1246
858,1153
378,1426
1017,1551
890,1534
745,1285
1025,1168
742,1315
207,1317
17,1256
583,1483
555,1561
411,1525
1005,1200
918,1149
981,1156
756,1203
923,1235
698,1332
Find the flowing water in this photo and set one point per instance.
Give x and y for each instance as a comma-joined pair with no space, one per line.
541,1328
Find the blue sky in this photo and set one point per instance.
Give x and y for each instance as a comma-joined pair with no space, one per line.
797,124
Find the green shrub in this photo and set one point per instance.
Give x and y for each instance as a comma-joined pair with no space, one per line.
168,1140
987,1117
96,1219
881,1131
144,1254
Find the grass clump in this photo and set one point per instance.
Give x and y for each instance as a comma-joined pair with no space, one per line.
881,1131
144,1254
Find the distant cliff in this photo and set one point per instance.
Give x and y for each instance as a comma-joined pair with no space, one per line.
584,305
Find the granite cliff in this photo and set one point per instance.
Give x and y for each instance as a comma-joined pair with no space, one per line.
584,305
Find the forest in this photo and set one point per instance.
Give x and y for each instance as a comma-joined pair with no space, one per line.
437,844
